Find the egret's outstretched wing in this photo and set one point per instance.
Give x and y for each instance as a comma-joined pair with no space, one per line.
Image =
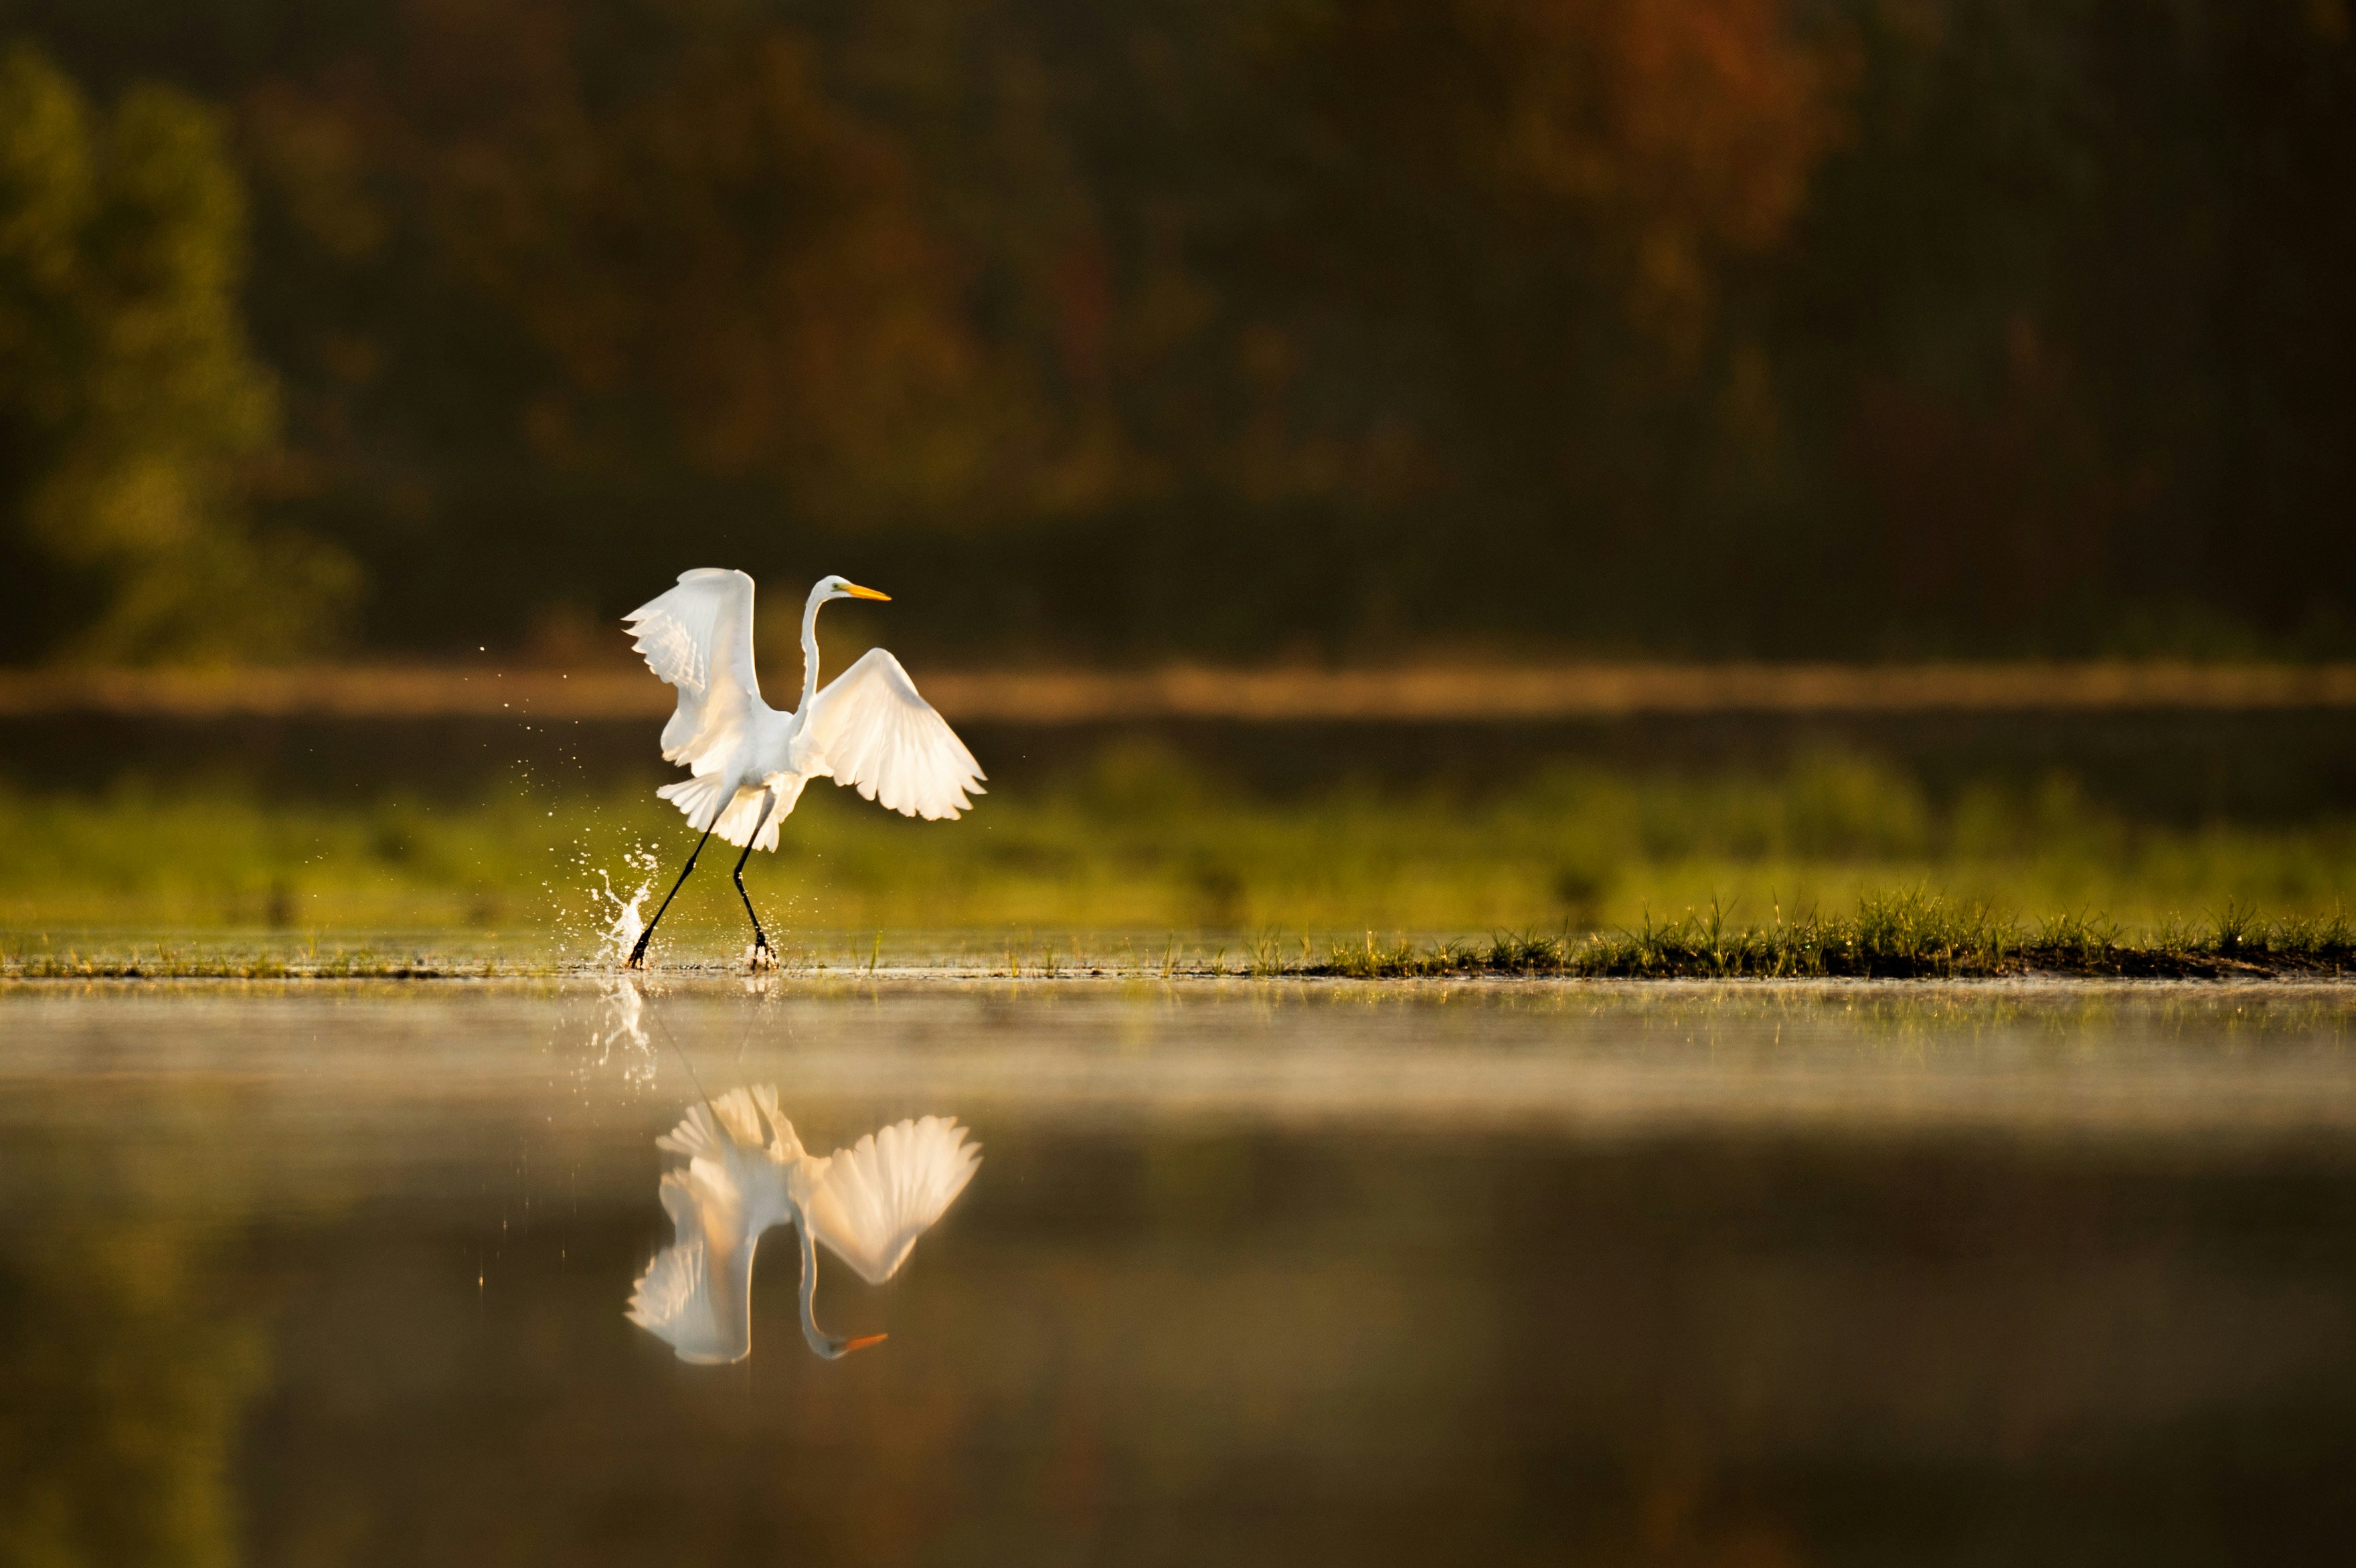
673,1301
698,638
870,1202
870,728
697,1293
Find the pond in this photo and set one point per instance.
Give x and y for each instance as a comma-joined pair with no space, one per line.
1242,1273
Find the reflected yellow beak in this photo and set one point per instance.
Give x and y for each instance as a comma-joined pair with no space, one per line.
858,593
863,1340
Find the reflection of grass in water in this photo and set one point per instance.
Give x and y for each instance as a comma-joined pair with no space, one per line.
1141,844
129,1342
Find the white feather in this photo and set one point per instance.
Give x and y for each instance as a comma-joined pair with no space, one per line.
697,1293
739,1121
672,1301
747,1172
871,729
870,1202
698,638
748,762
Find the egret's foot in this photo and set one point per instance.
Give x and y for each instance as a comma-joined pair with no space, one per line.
762,955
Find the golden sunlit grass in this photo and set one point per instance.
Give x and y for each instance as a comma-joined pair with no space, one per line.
1906,935
1837,865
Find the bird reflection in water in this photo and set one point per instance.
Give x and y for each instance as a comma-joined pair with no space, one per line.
746,1172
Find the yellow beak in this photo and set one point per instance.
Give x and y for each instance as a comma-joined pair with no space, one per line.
858,593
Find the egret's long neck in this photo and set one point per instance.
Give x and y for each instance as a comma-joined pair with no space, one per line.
822,1344
809,649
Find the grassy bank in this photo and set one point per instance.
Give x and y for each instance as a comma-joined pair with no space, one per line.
1909,935
1138,844
1901,937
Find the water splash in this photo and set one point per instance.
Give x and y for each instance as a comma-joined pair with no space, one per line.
628,922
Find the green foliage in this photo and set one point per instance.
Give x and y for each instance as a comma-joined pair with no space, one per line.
1140,843
132,411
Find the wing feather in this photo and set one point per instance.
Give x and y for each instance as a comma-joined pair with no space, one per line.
869,729
870,1202
698,638
741,1118
673,1301
696,1294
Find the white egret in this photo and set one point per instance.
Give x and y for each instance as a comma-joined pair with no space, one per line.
747,1173
749,762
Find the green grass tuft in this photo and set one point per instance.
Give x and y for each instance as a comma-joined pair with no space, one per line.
1909,935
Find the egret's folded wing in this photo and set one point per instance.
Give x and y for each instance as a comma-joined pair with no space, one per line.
871,729
870,1202
698,638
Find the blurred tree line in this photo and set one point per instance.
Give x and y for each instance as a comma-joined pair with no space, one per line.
1128,327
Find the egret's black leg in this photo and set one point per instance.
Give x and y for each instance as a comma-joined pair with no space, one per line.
638,953
760,937
761,950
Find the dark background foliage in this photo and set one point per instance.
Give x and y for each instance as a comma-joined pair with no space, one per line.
1124,329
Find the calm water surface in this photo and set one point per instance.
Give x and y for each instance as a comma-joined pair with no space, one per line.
1245,1274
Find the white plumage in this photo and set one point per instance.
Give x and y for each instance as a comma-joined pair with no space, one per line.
747,1173
698,638
748,762
870,1201
697,1293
